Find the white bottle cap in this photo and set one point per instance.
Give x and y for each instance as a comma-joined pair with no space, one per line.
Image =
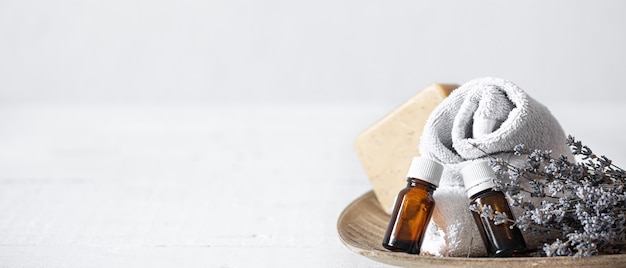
477,177
426,170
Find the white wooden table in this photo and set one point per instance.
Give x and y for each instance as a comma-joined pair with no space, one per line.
206,185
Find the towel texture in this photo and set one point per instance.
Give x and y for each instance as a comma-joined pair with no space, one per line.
495,115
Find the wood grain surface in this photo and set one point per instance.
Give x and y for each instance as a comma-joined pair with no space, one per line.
199,185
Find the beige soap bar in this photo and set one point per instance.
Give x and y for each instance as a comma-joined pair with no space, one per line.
387,147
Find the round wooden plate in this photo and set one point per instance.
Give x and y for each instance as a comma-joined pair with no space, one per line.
362,224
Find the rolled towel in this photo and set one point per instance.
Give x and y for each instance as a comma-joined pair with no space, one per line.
494,115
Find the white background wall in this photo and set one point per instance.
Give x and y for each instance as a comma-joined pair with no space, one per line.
338,51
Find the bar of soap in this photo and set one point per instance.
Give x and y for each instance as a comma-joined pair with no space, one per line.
386,148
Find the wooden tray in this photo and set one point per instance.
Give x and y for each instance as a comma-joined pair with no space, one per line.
362,224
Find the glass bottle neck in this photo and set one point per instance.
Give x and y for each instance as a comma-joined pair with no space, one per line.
415,182
483,192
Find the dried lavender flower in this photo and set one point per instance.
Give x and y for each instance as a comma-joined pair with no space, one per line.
584,202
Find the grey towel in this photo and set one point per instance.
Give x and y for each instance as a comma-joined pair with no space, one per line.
495,115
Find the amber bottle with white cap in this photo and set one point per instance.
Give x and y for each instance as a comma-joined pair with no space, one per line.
500,240
413,207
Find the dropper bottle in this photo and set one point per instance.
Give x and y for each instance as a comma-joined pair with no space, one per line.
413,207
502,240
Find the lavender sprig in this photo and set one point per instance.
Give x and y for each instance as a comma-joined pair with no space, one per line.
583,203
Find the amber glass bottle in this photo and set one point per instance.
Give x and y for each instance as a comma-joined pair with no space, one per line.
500,240
413,207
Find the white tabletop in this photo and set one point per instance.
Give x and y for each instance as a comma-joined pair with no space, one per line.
257,185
